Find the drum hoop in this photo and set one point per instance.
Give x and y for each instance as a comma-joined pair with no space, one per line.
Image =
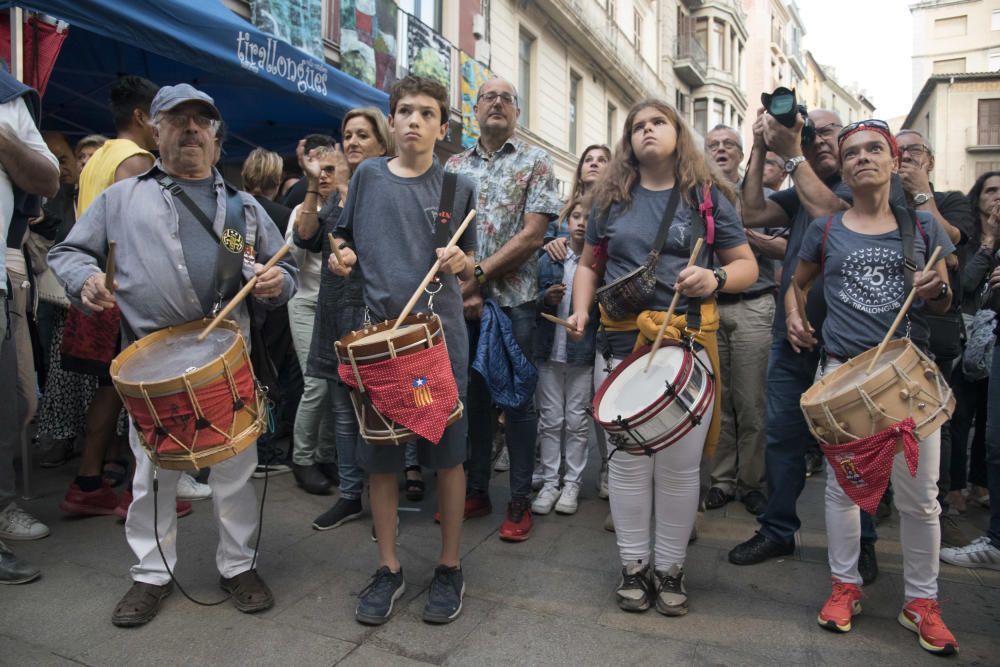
628,361
679,430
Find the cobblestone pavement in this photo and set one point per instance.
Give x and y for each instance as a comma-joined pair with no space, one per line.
547,601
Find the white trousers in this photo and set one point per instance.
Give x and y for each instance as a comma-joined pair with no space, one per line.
234,503
564,392
920,532
666,484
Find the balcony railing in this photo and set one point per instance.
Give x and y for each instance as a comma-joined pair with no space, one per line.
988,136
691,61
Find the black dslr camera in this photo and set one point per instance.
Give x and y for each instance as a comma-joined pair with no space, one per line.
783,106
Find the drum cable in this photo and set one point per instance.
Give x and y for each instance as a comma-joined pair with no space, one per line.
159,547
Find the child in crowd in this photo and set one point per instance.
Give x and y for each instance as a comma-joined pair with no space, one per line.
565,370
389,221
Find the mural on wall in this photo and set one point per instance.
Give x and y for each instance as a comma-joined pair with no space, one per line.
298,22
428,54
368,43
474,74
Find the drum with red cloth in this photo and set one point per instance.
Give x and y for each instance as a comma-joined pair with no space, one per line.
208,412
401,383
644,411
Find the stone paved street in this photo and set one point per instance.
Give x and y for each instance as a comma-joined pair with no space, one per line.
548,601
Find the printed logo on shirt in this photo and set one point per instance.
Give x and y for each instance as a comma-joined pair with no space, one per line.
232,240
873,280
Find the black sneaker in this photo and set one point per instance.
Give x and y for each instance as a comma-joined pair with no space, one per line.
375,601
814,462
755,502
634,592
671,595
346,509
867,563
271,461
444,600
716,498
759,549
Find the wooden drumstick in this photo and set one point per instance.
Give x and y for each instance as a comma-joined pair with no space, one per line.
109,270
800,302
902,312
434,269
559,321
670,311
335,249
242,294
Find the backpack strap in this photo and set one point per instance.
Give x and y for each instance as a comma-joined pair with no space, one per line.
906,233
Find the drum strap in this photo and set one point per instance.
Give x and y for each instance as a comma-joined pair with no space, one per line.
702,227
442,223
229,265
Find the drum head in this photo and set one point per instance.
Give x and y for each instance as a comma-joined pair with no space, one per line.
851,375
634,388
388,334
175,355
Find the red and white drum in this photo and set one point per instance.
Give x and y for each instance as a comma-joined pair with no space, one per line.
646,411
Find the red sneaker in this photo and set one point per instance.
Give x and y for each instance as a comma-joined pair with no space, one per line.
923,616
843,603
475,506
183,507
103,501
517,524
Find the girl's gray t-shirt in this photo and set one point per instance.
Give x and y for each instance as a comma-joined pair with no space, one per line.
863,281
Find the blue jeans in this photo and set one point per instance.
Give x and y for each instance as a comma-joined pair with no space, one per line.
521,423
789,375
345,429
993,449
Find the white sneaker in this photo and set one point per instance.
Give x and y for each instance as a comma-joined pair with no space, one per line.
545,500
602,484
568,499
981,553
537,481
502,464
16,524
188,488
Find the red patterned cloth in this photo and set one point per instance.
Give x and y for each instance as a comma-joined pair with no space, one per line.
90,342
417,390
863,467
177,414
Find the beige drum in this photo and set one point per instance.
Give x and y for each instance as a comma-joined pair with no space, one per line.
848,404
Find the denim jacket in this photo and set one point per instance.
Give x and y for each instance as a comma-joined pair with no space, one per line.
578,353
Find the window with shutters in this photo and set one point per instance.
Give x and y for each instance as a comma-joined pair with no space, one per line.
989,122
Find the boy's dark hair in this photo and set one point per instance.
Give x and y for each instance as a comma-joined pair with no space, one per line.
127,94
318,141
418,85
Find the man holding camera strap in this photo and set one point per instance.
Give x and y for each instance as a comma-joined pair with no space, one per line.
814,168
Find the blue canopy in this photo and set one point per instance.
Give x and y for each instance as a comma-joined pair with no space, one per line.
269,92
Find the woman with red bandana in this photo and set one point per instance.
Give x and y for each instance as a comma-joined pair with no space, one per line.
860,252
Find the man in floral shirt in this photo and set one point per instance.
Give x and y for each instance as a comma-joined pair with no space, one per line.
517,199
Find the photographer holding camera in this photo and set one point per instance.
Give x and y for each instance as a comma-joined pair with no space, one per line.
808,144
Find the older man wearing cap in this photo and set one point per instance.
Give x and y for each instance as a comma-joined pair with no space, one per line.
166,273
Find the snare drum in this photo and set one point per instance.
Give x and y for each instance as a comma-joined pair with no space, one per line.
849,404
378,343
646,411
208,412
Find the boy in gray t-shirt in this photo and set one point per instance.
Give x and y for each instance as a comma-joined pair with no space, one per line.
389,219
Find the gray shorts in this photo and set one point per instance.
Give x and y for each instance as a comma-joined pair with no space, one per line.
450,452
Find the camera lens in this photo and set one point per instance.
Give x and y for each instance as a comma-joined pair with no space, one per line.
781,103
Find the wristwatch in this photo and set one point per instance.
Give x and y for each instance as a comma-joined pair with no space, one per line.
942,292
480,275
720,277
793,162
922,198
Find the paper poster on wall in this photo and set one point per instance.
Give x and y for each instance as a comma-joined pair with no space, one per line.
428,53
474,74
298,22
368,44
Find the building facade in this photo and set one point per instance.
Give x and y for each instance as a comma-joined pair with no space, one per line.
821,90
959,114
954,37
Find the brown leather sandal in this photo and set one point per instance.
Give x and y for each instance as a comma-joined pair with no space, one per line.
250,593
140,604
